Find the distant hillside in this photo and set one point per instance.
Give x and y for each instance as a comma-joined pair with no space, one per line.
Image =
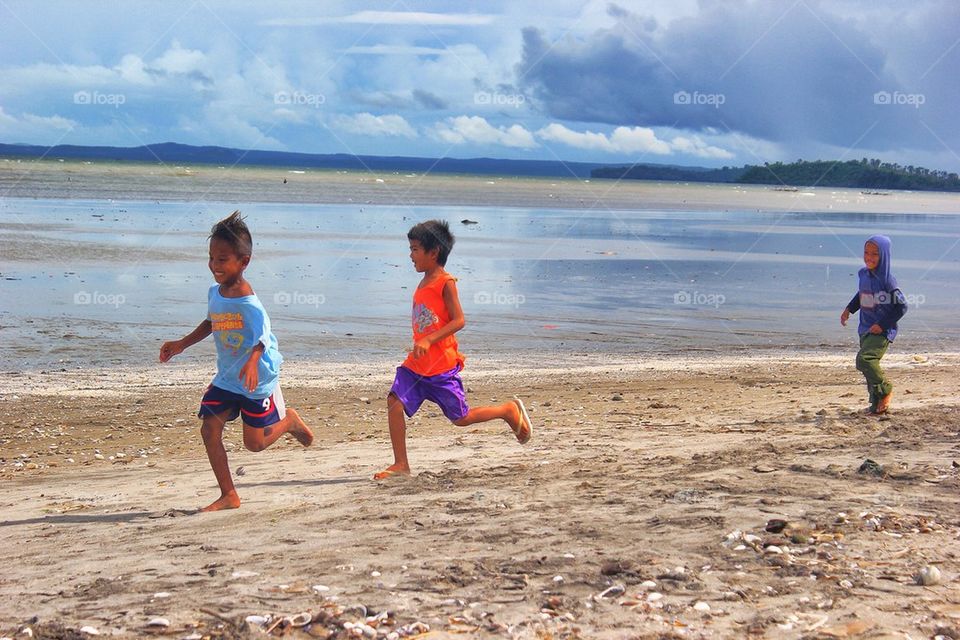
171,152
860,174
857,174
672,173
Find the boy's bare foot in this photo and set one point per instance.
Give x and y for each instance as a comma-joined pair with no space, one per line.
884,403
299,430
229,501
392,470
521,426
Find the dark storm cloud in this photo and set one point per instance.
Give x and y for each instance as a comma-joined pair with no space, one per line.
780,71
428,100
416,99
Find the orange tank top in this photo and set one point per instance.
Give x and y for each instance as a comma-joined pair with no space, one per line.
430,314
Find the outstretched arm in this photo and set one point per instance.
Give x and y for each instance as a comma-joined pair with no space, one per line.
173,347
452,300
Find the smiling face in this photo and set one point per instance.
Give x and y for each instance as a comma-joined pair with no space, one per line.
225,264
871,255
423,260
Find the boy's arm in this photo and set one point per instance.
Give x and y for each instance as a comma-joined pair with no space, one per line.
452,301
852,307
173,347
249,373
896,310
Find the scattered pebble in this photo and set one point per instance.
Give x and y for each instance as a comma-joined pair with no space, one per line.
612,592
928,576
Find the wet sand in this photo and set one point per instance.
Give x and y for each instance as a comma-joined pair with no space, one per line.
129,181
639,510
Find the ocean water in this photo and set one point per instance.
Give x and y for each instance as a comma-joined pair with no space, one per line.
86,282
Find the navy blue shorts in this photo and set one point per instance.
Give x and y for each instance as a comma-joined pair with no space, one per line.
258,413
445,389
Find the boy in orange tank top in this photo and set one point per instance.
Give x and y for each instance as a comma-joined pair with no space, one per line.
432,369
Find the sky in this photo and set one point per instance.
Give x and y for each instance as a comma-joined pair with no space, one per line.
708,83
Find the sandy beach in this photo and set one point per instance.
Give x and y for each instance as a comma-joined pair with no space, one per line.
670,498
128,181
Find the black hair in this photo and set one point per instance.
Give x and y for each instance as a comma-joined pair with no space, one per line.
433,234
233,230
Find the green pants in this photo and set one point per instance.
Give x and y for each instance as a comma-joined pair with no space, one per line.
872,348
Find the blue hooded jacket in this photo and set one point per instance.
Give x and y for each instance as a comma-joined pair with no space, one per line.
879,299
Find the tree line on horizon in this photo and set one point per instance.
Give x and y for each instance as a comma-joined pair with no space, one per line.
866,173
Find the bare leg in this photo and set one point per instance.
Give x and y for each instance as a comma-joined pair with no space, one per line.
212,432
509,412
398,439
259,438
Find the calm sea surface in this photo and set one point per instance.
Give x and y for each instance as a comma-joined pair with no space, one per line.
96,282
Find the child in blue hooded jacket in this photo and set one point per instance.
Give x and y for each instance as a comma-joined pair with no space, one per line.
881,304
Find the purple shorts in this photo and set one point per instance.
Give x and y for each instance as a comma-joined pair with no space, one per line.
445,389
258,413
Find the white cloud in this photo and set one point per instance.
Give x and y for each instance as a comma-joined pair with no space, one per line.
466,129
632,140
622,140
696,147
414,18
6,120
31,128
51,122
132,69
177,60
367,124
398,50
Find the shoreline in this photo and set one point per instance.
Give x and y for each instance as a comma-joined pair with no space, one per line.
309,373
82,181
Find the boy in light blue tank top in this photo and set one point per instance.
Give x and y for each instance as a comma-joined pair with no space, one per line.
248,360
